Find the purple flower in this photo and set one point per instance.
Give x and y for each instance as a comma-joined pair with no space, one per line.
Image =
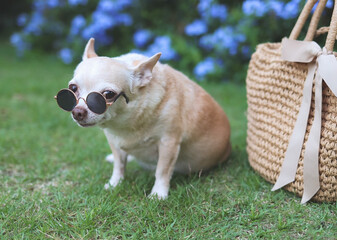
196,28
66,55
254,7
77,2
77,24
218,11
141,37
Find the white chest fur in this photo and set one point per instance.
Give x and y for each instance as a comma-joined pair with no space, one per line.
144,147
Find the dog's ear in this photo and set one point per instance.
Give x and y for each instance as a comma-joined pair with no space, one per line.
89,50
143,72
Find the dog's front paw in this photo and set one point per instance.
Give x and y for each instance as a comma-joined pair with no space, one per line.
157,196
113,183
160,193
109,158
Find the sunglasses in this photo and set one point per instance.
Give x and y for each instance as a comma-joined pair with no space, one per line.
96,102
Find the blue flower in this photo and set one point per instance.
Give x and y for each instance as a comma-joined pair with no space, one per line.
122,4
113,6
161,44
207,42
277,7
103,21
329,4
204,6
246,51
95,31
223,38
124,19
77,2
34,26
22,20
19,43
219,11
141,37
291,9
106,5
66,55
77,24
88,32
107,16
205,67
53,3
39,5
196,28
254,7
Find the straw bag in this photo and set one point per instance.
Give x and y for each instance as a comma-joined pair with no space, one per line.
292,111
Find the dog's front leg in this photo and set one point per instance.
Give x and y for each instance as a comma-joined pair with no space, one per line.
168,153
119,160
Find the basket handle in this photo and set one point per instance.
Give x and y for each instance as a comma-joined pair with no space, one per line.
332,33
314,20
302,19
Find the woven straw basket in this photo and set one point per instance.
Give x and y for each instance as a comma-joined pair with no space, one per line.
274,94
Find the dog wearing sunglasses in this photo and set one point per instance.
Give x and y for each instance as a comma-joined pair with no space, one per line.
149,111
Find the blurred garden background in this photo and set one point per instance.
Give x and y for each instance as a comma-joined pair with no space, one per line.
210,40
52,172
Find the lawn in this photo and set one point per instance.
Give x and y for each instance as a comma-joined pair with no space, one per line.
52,176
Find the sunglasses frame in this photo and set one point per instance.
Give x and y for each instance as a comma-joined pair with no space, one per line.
114,99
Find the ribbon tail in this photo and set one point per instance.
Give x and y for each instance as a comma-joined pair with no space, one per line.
327,68
292,155
310,162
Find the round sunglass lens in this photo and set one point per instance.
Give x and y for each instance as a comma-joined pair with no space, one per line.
66,100
96,103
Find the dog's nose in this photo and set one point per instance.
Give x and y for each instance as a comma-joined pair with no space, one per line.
79,113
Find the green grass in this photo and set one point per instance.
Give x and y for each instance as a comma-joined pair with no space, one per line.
52,175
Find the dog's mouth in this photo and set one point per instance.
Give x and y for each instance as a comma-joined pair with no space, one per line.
82,124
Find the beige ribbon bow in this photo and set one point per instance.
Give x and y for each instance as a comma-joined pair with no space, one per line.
321,65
